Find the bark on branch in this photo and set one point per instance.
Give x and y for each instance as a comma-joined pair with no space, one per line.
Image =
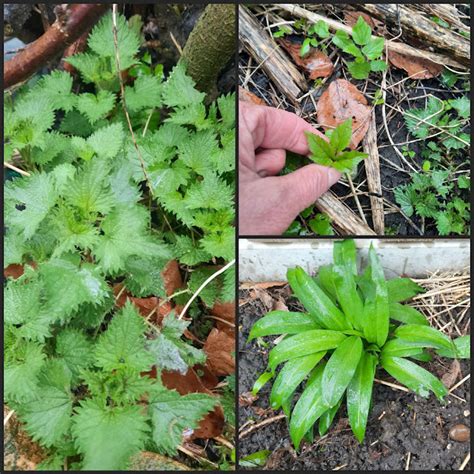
64,31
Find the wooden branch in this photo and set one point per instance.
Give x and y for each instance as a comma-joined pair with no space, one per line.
341,216
63,32
268,54
401,48
419,26
372,170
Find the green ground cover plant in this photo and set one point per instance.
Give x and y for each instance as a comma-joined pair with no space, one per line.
354,323
100,205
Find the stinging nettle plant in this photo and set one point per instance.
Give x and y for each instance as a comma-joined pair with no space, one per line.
79,372
355,322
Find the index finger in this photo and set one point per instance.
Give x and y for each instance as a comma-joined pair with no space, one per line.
274,128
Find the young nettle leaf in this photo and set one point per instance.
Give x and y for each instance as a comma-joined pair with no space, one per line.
332,153
347,333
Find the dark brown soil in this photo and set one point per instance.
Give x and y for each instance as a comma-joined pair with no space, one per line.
399,423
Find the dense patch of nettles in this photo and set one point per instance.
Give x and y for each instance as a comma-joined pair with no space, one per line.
88,216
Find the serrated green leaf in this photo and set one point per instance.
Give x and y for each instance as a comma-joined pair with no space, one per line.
120,432
309,342
378,66
173,414
414,377
291,375
359,70
374,48
74,347
107,141
341,136
359,394
123,343
282,322
220,244
145,93
340,369
361,32
320,148
95,107
179,89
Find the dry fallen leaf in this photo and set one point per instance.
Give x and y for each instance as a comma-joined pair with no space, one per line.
171,275
263,296
315,63
450,377
249,285
341,101
416,67
219,348
226,314
13,270
280,305
246,399
212,424
250,97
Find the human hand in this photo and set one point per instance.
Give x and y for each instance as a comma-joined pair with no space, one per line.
268,204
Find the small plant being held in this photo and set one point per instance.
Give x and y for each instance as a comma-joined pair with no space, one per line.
365,49
331,153
355,322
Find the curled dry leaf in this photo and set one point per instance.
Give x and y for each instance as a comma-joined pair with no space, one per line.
315,63
247,96
219,348
249,285
341,101
263,296
213,423
226,314
246,399
415,66
280,305
450,377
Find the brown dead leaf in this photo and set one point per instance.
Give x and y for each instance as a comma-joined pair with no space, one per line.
341,101
250,97
263,296
13,270
219,347
315,63
212,424
450,377
416,67
246,399
171,275
250,285
226,314
280,305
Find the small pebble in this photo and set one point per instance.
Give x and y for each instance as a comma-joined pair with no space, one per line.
466,413
459,433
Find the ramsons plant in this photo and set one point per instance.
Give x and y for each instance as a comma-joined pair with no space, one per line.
355,322
78,371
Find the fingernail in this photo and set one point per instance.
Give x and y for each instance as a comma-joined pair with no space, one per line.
333,176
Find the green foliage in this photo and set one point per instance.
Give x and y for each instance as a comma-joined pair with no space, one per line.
354,323
433,195
86,219
365,49
331,152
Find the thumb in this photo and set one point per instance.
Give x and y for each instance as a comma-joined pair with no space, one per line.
306,184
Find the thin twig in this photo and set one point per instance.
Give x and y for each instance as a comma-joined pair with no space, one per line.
14,168
214,275
122,92
465,462
7,418
262,423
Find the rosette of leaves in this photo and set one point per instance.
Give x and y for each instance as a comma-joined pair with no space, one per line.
354,322
366,49
331,152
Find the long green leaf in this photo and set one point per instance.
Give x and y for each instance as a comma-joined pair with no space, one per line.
291,375
402,348
414,377
348,296
319,305
402,289
359,394
327,418
325,279
376,310
462,348
303,344
261,381
308,408
282,322
345,255
426,335
340,369
406,314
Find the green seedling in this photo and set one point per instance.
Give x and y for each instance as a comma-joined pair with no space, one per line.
331,153
366,49
353,324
